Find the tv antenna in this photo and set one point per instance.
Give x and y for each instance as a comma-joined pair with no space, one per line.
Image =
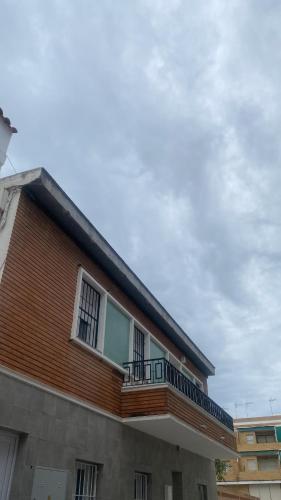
247,404
236,406
271,400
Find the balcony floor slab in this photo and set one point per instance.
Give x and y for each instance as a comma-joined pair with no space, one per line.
174,431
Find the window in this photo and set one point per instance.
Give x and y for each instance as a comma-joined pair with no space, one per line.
138,351
86,481
117,333
268,437
138,354
88,316
252,464
268,463
250,438
203,494
227,465
140,486
158,355
193,379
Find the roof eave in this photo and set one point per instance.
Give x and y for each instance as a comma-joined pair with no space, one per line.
47,193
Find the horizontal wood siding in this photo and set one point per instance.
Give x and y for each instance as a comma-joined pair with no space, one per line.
189,414
37,296
143,402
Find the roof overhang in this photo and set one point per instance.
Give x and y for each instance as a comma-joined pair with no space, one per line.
48,194
174,431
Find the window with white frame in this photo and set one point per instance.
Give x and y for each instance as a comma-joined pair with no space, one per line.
85,481
138,353
103,324
250,438
192,378
88,314
252,464
140,486
203,492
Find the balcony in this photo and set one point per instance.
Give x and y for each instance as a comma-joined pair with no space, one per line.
260,475
159,400
256,447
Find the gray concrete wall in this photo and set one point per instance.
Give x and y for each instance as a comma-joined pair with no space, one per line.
56,432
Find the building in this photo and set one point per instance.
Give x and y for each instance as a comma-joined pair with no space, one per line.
224,494
257,471
6,131
102,394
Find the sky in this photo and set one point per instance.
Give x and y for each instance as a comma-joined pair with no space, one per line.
160,119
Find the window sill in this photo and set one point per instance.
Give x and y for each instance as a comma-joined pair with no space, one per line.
99,354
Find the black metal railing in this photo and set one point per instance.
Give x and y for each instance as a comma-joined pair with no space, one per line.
157,371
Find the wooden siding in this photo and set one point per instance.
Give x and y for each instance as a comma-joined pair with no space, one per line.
160,401
37,296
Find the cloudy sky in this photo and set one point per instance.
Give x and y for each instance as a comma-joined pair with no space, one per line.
161,120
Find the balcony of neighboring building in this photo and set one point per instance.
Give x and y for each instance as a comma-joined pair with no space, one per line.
257,440
264,466
160,400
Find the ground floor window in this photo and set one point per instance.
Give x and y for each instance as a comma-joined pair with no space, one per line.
203,494
141,481
8,448
86,481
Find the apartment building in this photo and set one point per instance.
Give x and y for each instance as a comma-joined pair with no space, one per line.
224,494
102,394
257,471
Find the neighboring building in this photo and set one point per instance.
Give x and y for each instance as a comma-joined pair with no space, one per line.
6,131
224,494
102,395
258,470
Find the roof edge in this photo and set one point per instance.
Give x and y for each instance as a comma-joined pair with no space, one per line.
41,185
7,122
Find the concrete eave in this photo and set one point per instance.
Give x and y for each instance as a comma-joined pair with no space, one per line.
48,194
174,431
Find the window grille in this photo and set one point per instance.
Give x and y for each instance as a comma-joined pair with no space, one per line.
140,486
203,495
86,481
265,438
138,354
88,318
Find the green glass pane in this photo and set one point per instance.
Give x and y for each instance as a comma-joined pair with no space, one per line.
156,351
157,368
117,330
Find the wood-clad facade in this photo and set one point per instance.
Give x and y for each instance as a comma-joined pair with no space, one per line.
40,277
41,263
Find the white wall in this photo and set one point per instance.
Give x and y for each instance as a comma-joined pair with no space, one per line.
266,491
8,209
5,136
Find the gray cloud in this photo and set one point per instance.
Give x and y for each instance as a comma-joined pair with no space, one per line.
161,121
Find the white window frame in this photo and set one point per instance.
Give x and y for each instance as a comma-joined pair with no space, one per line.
10,460
99,350
136,324
160,345
254,462
250,438
91,485
139,476
83,275
203,491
